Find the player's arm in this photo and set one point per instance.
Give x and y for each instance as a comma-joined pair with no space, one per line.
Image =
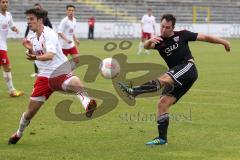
31,55
60,32
150,44
45,57
12,25
64,37
76,40
214,39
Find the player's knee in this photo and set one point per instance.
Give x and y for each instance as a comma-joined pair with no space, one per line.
74,84
162,102
7,68
165,102
74,81
166,79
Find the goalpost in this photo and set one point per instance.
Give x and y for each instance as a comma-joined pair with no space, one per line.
201,14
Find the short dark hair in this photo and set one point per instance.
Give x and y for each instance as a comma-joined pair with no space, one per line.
70,5
39,13
37,4
169,17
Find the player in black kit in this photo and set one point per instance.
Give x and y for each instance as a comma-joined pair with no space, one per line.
173,48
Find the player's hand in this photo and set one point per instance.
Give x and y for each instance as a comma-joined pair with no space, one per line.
227,46
27,44
28,52
156,40
31,57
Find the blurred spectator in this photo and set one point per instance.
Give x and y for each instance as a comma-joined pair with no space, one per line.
91,23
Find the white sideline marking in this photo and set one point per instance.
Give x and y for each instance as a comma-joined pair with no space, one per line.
214,91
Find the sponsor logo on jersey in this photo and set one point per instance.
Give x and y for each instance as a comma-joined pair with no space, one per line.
176,39
171,48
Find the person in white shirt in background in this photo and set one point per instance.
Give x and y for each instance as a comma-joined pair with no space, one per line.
54,71
148,29
6,23
66,32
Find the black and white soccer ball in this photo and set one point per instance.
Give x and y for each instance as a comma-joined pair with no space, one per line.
109,68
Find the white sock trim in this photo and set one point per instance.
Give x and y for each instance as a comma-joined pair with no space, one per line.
84,99
22,125
39,99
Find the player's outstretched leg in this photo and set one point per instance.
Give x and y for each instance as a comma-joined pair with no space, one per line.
127,89
75,85
151,86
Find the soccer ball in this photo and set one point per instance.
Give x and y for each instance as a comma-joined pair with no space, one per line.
109,68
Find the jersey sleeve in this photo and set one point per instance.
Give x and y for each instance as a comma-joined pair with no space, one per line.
51,43
189,36
61,26
11,23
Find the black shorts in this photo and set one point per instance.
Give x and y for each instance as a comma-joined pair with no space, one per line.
184,75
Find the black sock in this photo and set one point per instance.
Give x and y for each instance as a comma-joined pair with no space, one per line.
163,121
151,86
35,68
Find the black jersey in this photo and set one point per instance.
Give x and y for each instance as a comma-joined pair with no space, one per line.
175,50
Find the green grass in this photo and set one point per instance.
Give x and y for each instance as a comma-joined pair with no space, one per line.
204,124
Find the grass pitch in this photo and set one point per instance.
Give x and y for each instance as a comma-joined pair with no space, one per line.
204,124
